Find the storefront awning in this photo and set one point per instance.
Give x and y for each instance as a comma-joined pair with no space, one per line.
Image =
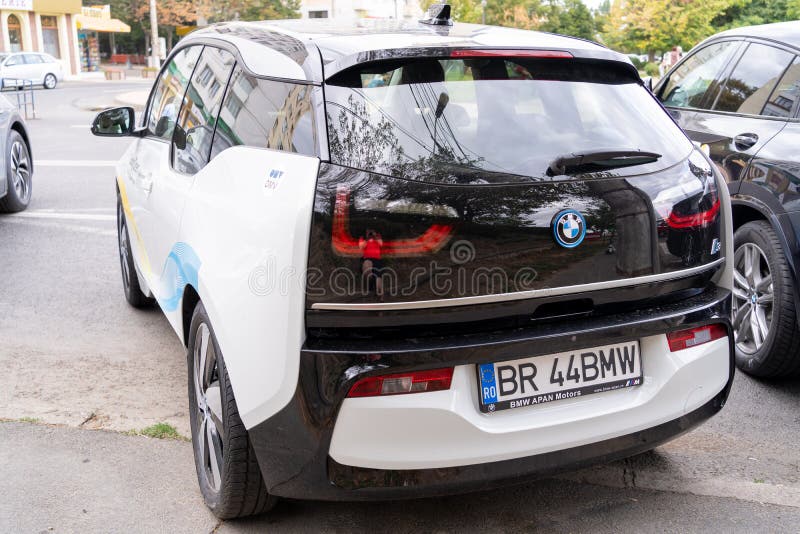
101,25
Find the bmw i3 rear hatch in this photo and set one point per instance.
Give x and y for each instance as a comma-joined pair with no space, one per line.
489,177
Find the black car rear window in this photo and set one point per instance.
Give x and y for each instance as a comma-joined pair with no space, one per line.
490,119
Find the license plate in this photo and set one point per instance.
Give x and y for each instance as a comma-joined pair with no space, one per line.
553,377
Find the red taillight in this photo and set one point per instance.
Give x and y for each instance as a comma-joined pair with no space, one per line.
401,383
556,54
684,339
695,220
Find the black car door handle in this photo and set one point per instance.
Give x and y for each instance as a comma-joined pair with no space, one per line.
745,140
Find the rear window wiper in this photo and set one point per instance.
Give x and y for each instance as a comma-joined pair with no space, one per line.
602,160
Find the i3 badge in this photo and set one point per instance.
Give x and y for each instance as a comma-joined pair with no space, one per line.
569,228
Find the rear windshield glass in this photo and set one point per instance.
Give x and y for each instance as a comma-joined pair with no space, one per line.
491,119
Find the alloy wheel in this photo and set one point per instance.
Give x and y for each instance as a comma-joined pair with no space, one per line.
20,171
209,406
752,298
49,81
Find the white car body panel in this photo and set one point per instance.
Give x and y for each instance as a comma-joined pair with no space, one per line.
242,234
447,429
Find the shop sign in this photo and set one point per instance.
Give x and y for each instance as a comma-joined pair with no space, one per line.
24,5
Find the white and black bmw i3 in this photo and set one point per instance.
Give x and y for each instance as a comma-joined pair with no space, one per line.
420,259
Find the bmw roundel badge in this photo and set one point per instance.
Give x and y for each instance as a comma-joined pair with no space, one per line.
569,228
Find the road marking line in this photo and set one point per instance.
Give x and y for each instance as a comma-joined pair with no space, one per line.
59,226
75,163
63,215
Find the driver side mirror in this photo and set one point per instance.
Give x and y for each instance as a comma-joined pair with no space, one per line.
647,81
114,122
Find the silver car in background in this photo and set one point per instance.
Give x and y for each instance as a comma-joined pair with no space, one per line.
16,161
41,69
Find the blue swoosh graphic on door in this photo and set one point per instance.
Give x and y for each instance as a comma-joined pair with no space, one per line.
180,269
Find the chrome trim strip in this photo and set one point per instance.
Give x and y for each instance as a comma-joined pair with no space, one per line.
504,297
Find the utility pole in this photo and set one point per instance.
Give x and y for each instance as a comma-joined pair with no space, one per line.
483,11
154,56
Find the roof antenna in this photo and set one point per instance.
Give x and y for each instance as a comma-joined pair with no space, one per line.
438,15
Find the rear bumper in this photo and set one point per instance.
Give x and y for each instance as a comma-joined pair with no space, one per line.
310,449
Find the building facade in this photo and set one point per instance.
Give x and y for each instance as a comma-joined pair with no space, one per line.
42,26
349,9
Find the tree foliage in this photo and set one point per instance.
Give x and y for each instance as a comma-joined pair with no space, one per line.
567,17
652,26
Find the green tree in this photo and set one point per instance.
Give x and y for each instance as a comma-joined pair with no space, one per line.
653,26
568,17
461,10
751,12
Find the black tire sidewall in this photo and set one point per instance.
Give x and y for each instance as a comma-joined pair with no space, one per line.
50,76
761,234
11,202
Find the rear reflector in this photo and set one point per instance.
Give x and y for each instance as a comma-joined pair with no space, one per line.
402,383
557,54
684,339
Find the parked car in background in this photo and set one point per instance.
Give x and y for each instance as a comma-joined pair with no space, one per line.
738,94
38,67
407,262
16,163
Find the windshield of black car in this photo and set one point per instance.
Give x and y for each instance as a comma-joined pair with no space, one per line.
490,119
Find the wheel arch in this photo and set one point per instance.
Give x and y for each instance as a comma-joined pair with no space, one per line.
20,129
745,211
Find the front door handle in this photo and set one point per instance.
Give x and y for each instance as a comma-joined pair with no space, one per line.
745,141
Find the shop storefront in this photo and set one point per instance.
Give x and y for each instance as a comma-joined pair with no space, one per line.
95,23
41,26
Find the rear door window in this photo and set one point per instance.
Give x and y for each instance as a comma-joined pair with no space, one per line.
696,81
265,114
198,116
165,102
752,80
786,95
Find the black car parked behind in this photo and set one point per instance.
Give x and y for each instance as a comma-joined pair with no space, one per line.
738,93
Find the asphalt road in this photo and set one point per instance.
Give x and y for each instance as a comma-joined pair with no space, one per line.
75,358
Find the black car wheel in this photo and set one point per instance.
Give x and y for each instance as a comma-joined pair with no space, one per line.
764,317
227,471
50,81
19,174
130,280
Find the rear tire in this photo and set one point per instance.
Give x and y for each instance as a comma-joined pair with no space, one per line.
130,280
19,174
50,81
764,294
227,470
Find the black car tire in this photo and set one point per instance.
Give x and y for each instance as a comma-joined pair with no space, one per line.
779,355
18,167
50,81
130,280
239,489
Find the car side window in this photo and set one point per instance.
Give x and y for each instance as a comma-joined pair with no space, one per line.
166,99
198,116
751,82
265,114
786,95
14,60
32,59
697,77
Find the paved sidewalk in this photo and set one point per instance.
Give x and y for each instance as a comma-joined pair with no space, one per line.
61,479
